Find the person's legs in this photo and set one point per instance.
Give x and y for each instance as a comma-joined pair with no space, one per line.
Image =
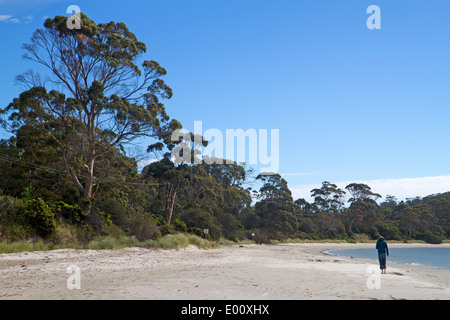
382,259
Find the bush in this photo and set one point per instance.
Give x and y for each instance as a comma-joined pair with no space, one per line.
162,224
144,228
307,226
13,223
112,231
72,213
174,241
115,208
105,243
261,237
65,233
197,231
179,225
431,237
199,219
41,217
180,240
389,231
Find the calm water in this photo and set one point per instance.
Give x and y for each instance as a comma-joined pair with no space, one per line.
429,257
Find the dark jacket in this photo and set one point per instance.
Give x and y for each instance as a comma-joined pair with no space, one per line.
382,246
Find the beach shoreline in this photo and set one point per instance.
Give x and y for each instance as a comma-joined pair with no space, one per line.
392,245
236,272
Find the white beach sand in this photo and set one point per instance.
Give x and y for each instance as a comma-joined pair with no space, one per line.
265,272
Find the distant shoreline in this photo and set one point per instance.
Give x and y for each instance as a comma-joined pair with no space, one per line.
177,241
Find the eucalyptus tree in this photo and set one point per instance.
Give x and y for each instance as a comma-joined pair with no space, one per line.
329,197
94,93
276,208
361,192
364,212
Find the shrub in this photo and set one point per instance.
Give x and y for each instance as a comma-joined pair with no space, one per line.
115,209
112,230
128,242
162,224
261,237
72,213
179,225
144,228
307,226
431,237
65,233
199,219
197,231
389,231
41,217
180,240
174,241
105,243
13,223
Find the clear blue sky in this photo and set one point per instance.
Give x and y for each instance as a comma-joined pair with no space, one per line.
351,104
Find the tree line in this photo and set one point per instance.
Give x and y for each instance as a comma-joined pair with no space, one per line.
67,175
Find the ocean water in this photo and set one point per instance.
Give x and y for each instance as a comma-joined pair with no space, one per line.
429,257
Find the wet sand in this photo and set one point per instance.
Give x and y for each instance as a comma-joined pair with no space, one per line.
249,272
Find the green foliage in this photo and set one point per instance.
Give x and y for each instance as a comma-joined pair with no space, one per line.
20,246
275,211
179,225
27,192
41,217
388,230
163,226
113,231
106,218
197,220
114,208
261,237
13,222
329,197
144,228
431,237
71,213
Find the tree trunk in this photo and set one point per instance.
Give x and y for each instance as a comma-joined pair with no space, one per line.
87,192
169,207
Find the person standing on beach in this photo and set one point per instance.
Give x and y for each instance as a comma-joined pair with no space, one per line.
382,252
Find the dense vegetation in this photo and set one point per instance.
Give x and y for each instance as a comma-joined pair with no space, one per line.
67,178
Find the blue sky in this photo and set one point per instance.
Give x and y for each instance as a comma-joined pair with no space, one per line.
351,104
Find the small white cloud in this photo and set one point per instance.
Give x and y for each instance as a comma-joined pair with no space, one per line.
14,20
4,17
28,19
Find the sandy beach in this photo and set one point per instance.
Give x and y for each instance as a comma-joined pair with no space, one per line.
263,272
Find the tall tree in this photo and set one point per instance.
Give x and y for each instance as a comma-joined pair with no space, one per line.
329,197
306,208
361,216
275,210
173,171
361,192
105,99
171,179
